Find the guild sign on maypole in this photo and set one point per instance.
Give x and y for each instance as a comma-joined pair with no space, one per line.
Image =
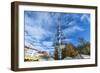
58,42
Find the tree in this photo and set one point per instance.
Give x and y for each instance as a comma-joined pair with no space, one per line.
56,54
84,46
69,51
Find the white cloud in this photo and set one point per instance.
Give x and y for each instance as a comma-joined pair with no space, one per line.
47,43
28,44
72,23
77,28
37,27
73,29
67,40
35,45
85,17
37,32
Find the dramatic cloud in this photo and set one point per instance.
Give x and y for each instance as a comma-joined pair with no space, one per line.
41,27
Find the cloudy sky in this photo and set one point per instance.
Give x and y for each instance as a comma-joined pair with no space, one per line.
40,28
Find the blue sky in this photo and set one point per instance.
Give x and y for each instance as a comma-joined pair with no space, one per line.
40,28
